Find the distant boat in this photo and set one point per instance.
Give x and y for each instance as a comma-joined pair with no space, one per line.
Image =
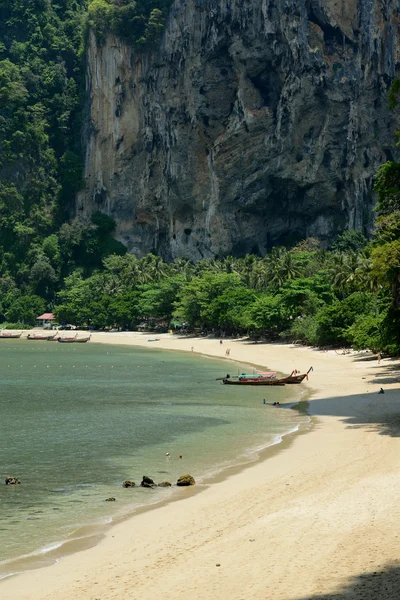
67,340
40,336
74,340
7,335
82,340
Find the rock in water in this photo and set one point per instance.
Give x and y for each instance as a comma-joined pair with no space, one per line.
164,484
147,482
110,500
185,480
12,480
128,483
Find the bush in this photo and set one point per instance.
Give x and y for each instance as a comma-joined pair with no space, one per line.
334,321
26,309
304,330
15,326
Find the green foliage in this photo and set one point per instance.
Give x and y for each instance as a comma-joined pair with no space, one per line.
334,321
196,298
25,309
41,98
349,241
141,22
387,185
15,326
304,330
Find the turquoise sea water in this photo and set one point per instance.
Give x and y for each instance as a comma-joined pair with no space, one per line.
77,420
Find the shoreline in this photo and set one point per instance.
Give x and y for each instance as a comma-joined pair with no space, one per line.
289,504
89,535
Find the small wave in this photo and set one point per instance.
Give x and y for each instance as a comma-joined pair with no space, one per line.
248,456
40,552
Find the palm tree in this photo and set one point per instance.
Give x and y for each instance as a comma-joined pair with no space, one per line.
343,270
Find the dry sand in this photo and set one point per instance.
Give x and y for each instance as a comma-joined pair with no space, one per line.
318,520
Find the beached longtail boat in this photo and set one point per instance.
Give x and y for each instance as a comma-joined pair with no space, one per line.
260,379
296,378
74,340
82,340
256,382
40,336
67,340
7,335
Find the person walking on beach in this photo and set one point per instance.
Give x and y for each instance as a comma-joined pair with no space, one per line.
379,358
220,341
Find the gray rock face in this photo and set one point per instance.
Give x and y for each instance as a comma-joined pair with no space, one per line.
256,122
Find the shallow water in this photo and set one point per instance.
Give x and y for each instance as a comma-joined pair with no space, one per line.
77,420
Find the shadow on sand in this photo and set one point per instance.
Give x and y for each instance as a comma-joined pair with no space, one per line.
378,585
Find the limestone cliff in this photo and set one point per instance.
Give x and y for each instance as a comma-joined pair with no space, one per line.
256,122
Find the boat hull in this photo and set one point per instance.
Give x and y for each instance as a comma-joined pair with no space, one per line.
294,379
83,341
10,337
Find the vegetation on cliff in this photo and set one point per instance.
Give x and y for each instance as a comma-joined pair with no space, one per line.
140,22
41,101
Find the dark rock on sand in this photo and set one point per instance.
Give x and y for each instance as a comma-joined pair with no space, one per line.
128,483
12,480
110,499
147,482
185,480
164,484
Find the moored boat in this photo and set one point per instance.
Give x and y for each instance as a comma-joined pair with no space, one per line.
74,340
67,340
256,382
8,335
40,336
258,379
82,340
296,378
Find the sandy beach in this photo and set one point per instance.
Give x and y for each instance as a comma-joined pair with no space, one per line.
317,519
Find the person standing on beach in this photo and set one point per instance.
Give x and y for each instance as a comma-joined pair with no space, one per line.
379,358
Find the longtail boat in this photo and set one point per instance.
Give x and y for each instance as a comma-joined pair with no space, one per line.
258,379
67,340
40,336
296,378
8,335
82,340
256,382
74,340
